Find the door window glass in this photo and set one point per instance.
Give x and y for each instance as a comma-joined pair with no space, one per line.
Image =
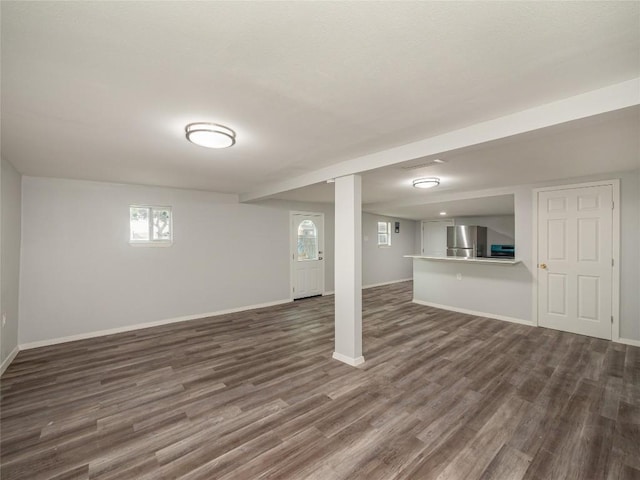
307,241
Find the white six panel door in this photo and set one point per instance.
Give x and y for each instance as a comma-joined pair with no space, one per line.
307,243
575,260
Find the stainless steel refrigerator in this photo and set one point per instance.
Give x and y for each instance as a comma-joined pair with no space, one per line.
467,241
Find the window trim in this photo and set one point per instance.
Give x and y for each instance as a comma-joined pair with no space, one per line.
151,242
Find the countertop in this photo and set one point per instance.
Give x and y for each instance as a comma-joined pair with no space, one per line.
485,260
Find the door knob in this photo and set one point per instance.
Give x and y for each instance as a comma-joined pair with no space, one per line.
319,258
543,266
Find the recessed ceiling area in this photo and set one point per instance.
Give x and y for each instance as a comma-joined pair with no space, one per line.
471,207
605,143
102,90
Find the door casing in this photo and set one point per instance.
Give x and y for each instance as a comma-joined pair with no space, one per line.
615,238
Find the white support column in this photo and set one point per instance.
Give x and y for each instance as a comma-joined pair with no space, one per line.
348,270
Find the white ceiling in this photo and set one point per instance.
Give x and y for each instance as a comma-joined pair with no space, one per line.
102,90
470,207
599,144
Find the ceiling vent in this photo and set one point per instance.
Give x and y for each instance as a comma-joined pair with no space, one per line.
423,164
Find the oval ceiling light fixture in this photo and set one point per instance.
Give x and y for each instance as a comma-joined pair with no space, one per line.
443,213
210,135
429,182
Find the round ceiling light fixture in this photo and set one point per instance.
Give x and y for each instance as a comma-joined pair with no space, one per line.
210,135
429,182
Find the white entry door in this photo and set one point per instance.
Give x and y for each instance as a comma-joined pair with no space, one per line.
307,245
575,272
434,237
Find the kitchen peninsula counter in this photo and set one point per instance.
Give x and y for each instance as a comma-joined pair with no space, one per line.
483,287
488,260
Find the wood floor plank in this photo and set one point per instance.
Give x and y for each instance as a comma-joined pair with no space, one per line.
475,457
509,463
256,395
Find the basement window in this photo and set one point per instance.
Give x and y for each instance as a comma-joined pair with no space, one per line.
150,226
384,234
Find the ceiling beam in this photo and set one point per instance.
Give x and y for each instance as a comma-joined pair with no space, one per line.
596,102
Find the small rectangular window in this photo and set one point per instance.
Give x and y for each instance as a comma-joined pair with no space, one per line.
384,234
149,225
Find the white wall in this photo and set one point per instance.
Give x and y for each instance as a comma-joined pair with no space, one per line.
487,289
10,261
500,290
80,275
379,265
386,264
507,290
329,230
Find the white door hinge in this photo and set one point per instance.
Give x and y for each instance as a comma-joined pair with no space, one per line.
612,262
611,318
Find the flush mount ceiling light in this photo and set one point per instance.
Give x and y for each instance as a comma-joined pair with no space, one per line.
210,135
443,213
426,182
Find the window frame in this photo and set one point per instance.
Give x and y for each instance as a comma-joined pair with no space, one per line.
386,244
151,242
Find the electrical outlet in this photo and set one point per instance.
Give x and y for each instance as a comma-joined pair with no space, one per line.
4,319
458,276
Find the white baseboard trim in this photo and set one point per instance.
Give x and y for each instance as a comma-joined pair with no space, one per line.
387,283
9,359
138,326
628,341
354,362
475,313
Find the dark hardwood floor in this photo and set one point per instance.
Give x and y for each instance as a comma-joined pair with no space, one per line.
256,395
